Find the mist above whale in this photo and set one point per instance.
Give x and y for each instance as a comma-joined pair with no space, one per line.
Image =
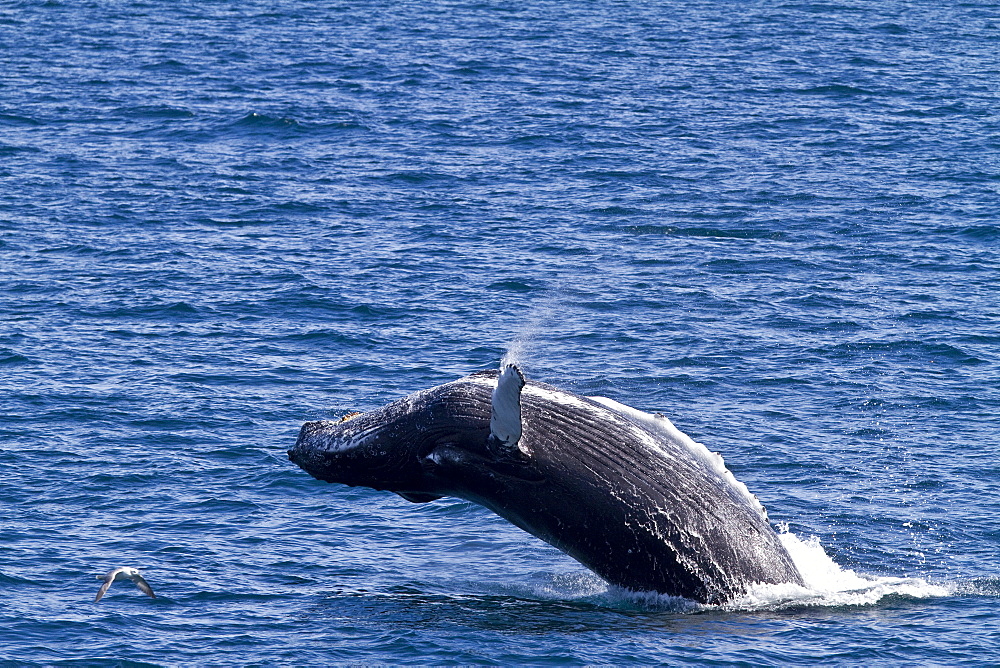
623,492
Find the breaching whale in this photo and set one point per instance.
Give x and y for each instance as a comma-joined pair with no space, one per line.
623,492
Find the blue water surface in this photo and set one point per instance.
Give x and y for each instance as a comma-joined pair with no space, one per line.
776,223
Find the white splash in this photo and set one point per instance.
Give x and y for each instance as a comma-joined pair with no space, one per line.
829,585
541,312
515,353
517,349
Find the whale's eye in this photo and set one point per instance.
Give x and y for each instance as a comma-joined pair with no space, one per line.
349,416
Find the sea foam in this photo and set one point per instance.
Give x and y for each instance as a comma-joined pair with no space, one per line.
828,584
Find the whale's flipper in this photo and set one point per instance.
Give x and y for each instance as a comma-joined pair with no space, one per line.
505,413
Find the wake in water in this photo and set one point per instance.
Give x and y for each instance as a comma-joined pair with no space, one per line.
826,585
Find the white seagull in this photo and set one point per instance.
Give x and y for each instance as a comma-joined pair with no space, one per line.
124,573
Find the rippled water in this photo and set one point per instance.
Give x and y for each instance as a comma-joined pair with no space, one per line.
775,223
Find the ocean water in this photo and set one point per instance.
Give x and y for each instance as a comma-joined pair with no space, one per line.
776,223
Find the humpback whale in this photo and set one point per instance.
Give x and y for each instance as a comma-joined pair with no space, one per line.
623,492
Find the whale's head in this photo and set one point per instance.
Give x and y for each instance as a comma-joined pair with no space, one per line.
377,449
401,446
392,448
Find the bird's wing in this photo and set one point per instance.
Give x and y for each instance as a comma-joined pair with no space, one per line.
143,586
108,579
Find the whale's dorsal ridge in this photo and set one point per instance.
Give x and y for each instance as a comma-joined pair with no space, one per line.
505,410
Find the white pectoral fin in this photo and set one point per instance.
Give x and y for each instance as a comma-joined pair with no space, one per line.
505,414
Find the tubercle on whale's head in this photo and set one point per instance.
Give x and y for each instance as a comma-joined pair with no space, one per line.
378,449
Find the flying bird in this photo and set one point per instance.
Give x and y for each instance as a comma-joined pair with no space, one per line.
120,574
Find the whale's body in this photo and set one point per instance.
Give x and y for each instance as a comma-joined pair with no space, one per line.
621,491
